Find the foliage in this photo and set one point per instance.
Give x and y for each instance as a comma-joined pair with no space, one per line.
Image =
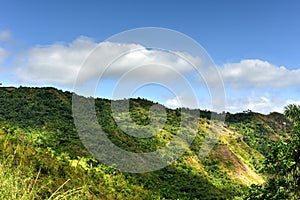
282,165
39,140
260,131
292,111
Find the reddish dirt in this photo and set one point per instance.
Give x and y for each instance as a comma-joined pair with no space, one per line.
229,158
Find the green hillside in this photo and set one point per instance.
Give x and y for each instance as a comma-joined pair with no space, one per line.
42,156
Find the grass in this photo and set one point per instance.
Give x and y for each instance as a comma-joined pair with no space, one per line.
20,182
37,173
30,173
16,182
20,179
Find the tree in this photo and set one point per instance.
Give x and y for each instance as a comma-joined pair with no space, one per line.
282,165
292,111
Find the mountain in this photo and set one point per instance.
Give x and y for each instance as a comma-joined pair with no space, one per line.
40,141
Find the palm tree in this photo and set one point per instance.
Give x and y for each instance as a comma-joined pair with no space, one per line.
292,111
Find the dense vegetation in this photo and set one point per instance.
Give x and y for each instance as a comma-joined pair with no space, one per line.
42,157
282,164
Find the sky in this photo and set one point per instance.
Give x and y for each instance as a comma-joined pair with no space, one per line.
255,46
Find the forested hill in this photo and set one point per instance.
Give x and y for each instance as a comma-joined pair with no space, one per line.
38,138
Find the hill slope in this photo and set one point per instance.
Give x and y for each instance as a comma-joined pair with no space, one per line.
38,132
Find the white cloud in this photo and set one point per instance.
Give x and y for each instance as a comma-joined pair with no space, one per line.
5,35
60,63
258,74
173,103
57,63
3,55
187,100
261,104
289,101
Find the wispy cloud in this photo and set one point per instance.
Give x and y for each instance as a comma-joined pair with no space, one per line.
5,35
3,55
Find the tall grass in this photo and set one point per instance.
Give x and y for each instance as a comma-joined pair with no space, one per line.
20,179
21,182
16,181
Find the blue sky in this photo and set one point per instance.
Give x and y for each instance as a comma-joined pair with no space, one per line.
255,44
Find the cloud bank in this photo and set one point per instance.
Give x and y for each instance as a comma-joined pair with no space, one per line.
61,63
258,74
260,104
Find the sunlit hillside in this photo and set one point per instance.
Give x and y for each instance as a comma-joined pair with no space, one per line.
42,156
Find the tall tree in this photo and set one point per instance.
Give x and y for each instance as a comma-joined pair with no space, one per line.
292,111
282,165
